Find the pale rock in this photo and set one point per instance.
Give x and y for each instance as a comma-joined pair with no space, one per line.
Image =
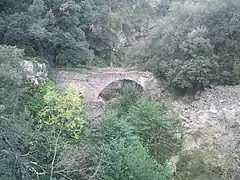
189,143
213,119
36,73
213,109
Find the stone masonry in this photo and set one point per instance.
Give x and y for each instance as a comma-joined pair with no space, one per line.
91,85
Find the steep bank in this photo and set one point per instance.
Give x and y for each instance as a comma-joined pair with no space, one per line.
212,123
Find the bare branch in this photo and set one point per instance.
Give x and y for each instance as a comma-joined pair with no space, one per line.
55,154
95,173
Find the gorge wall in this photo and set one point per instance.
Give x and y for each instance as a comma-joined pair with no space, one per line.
212,122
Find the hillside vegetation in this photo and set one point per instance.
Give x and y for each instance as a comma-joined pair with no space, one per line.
196,43
45,133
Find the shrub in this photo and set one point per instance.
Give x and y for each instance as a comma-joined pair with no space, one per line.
200,165
11,78
196,43
49,107
64,110
192,63
129,96
121,154
157,131
57,122
34,97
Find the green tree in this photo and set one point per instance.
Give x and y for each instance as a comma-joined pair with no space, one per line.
12,77
81,28
224,35
37,8
30,145
57,122
51,34
63,110
127,98
14,131
158,132
196,44
121,154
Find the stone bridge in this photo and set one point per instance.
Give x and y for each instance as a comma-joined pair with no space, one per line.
91,85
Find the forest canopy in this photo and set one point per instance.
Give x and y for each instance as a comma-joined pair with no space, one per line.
191,44
68,32
196,43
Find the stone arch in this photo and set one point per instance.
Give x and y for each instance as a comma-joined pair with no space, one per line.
121,79
93,84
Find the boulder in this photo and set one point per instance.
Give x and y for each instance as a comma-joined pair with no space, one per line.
36,73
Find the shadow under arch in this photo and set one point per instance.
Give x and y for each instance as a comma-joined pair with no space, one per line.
113,89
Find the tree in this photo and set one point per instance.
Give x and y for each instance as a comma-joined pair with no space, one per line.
121,154
157,131
72,32
196,44
65,111
33,122
224,35
58,118
37,8
52,35
14,133
12,77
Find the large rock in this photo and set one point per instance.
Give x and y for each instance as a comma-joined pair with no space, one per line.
36,73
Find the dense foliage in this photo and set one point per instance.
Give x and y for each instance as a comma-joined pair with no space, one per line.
193,43
69,32
36,124
127,98
44,133
42,136
122,154
161,134
118,149
196,43
14,133
205,165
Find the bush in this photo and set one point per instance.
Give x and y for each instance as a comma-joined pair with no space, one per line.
119,146
196,44
200,165
129,96
14,132
65,111
192,64
157,131
34,97
121,154
57,122
11,78
51,108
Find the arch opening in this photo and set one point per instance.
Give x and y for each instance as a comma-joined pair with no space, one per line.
115,88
